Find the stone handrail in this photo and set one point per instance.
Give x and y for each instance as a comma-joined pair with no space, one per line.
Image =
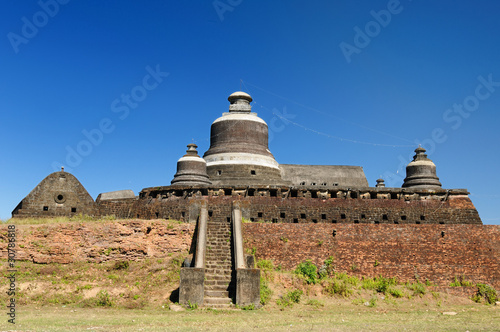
239,257
201,242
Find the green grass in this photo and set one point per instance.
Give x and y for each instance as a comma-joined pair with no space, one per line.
301,317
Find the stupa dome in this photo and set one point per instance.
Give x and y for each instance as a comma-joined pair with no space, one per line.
421,172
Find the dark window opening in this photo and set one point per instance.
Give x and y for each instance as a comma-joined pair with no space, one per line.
178,193
219,172
228,219
314,194
418,222
354,195
334,233
396,222
334,221
148,230
73,210
302,216
363,216
293,193
183,214
282,215
384,217
260,214
323,184
334,195
377,222
252,219
315,221
228,192
302,183
275,220
137,216
46,208
157,214
442,234
373,195
295,220
441,222
335,184
313,183
422,217
251,192
210,213
273,192
356,221
403,217
252,172
323,216
60,197
394,196
342,216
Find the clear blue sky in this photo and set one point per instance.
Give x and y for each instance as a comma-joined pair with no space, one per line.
362,82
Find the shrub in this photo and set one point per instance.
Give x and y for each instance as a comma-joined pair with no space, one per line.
265,292
326,269
418,288
338,287
372,302
461,282
122,265
192,306
265,264
395,292
308,270
289,299
249,307
103,299
315,303
487,292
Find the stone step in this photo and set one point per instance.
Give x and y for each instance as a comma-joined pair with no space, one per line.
213,255
219,257
216,300
219,288
217,277
216,293
217,284
220,272
224,267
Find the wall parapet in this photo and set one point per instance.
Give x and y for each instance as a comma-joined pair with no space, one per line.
407,194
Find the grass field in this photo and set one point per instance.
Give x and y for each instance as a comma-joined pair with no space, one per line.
333,316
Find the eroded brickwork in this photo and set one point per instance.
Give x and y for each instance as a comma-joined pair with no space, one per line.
457,209
434,252
98,241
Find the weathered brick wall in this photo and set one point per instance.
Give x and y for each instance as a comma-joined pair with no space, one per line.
434,252
454,210
98,241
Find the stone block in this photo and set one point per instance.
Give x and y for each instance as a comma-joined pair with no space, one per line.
247,287
191,285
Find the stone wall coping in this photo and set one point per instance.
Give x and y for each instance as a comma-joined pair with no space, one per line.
205,190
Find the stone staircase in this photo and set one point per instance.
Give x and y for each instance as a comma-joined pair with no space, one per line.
218,265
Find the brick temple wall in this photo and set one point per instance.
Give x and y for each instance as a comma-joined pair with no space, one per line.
453,210
434,252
